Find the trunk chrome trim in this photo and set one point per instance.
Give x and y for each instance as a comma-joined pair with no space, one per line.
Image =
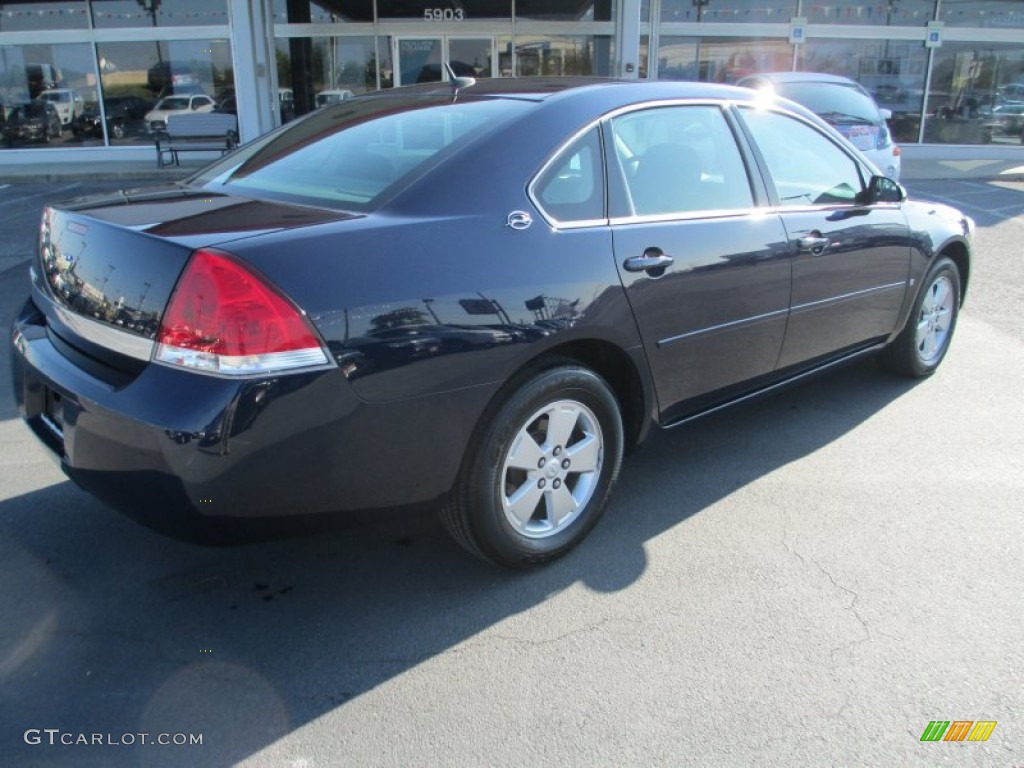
114,339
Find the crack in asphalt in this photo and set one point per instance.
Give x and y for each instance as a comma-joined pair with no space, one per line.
851,607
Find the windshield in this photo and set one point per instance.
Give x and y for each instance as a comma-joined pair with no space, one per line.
354,154
836,102
173,102
51,96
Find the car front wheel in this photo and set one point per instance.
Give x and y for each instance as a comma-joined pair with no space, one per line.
922,344
540,477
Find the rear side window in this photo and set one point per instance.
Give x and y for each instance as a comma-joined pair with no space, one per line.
572,187
805,166
679,160
353,154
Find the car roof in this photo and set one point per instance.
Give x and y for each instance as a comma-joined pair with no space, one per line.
552,88
799,77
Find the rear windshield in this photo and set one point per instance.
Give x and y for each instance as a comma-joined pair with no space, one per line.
835,102
354,154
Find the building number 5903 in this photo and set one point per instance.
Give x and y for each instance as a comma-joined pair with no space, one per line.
443,14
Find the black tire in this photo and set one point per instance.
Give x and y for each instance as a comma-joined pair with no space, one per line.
487,509
922,344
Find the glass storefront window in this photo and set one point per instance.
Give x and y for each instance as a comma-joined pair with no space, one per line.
322,11
726,11
24,17
563,55
139,75
892,13
314,72
982,13
893,72
721,59
44,89
977,94
566,10
109,14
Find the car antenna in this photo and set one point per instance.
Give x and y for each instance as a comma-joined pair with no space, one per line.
457,83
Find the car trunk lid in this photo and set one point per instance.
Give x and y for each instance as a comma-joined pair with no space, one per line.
107,265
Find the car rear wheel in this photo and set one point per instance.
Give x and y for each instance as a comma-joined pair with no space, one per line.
922,344
540,477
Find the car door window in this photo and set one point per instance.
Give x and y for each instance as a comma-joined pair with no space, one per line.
678,160
806,167
572,187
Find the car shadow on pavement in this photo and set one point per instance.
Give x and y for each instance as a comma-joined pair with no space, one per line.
110,628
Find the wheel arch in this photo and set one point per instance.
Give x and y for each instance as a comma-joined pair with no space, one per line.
957,252
611,362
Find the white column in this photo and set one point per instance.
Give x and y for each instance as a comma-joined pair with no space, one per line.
628,44
255,61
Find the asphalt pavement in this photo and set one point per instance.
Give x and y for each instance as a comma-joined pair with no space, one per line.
808,580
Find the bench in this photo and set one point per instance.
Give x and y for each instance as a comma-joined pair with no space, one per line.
196,132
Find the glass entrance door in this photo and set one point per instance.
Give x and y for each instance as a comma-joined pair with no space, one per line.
421,59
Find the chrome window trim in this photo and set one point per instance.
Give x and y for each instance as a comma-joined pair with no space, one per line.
702,215
557,224
534,198
723,106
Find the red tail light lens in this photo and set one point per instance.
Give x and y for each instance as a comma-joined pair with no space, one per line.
223,318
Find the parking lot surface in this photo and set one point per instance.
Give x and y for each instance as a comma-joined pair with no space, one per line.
807,580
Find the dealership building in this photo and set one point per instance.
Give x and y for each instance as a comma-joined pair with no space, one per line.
950,71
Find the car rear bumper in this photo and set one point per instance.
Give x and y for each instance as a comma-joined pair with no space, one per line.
199,456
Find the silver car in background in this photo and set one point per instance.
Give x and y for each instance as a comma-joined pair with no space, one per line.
845,105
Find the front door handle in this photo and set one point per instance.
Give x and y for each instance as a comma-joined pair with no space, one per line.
653,262
813,242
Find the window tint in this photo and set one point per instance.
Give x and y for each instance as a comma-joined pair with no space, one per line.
680,160
807,168
351,154
572,188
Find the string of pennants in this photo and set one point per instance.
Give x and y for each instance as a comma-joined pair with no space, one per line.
828,12
104,15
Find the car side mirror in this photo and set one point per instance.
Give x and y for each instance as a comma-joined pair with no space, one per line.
886,114
882,189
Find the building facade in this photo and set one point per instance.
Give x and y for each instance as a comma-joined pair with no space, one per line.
951,71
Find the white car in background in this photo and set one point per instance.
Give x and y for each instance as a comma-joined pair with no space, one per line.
842,103
69,103
333,96
156,118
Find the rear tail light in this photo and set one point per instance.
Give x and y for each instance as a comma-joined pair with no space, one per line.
223,318
884,137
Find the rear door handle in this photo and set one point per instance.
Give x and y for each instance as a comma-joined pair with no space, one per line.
653,262
814,243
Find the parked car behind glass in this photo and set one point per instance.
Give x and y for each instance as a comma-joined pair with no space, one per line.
843,104
478,301
125,115
35,121
156,119
68,102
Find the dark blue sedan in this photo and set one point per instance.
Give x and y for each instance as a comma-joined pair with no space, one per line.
475,296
